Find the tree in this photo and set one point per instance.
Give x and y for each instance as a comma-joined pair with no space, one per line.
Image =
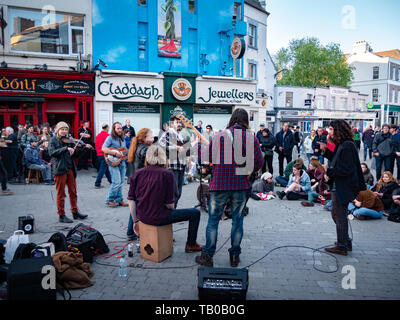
307,63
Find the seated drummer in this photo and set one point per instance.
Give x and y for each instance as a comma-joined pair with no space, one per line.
151,198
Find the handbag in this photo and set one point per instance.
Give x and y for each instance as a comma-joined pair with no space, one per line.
19,237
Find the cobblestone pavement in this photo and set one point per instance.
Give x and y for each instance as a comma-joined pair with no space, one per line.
287,273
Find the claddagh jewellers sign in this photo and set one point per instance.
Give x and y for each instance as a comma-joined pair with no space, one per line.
129,89
229,93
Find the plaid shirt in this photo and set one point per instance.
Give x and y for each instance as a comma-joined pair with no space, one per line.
170,140
225,176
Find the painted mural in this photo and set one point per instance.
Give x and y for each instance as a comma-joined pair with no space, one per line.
169,28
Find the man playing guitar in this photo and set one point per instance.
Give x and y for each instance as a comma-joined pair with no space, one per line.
110,147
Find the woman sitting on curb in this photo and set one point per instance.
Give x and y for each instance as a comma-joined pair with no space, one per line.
298,186
368,177
366,206
264,185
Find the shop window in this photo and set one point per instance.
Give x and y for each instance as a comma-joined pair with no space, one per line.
28,119
28,106
252,36
375,95
375,75
252,71
14,105
3,106
46,32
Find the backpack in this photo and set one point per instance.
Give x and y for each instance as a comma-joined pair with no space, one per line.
60,241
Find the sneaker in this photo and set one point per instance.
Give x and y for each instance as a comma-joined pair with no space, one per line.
7,192
307,204
204,260
192,248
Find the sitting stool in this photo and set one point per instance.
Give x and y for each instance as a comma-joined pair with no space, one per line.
156,242
34,175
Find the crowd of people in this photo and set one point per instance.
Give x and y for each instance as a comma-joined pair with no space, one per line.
157,167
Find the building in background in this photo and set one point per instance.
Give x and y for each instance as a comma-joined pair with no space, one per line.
377,74
258,64
187,53
311,108
46,67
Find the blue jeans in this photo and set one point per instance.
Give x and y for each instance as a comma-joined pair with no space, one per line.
367,147
365,212
379,160
321,159
309,155
216,208
312,195
282,181
103,169
117,178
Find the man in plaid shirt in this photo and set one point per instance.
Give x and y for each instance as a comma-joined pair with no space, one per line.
172,140
230,181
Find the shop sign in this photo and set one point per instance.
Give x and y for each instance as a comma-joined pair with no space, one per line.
181,89
238,48
170,110
212,110
40,85
225,93
135,108
130,90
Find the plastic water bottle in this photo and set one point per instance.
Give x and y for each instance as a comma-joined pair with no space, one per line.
122,267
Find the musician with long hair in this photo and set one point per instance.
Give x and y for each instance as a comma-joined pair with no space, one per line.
110,147
346,180
136,160
64,172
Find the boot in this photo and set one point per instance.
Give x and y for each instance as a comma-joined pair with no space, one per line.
192,248
234,258
349,246
281,194
78,215
337,250
64,219
205,260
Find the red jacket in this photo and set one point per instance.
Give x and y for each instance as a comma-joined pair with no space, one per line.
100,138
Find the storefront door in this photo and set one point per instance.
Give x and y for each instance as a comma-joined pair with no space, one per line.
11,119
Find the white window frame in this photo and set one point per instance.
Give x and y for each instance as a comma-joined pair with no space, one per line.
333,102
254,65
377,95
33,53
373,72
254,36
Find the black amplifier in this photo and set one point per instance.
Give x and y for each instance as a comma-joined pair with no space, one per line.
222,283
26,224
83,247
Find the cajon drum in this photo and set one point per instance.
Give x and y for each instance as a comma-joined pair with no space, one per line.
156,242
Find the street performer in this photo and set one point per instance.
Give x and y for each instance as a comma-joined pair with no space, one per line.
64,172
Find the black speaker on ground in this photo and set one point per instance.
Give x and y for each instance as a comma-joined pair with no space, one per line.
222,283
25,279
26,224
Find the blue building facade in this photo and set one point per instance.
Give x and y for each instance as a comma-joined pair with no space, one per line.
188,36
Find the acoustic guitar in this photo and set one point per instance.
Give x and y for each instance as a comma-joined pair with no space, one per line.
189,124
114,161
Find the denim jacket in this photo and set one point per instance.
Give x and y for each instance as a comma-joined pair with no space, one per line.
304,181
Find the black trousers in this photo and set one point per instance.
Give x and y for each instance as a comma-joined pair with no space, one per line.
3,176
83,158
268,164
339,216
281,157
179,176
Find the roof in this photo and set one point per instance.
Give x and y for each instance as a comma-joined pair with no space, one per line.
256,4
395,53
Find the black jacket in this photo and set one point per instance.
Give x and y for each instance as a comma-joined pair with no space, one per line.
131,129
60,157
267,143
383,144
286,143
315,145
345,170
387,193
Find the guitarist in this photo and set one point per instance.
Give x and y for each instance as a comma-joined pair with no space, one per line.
172,140
113,142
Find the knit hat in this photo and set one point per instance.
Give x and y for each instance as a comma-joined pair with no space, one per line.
266,176
61,125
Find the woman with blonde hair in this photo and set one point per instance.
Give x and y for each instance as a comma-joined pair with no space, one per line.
384,189
136,160
151,198
138,149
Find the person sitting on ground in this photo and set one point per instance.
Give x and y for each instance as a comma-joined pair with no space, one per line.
394,213
316,173
298,186
190,171
282,181
265,185
367,205
151,198
384,189
33,162
368,177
